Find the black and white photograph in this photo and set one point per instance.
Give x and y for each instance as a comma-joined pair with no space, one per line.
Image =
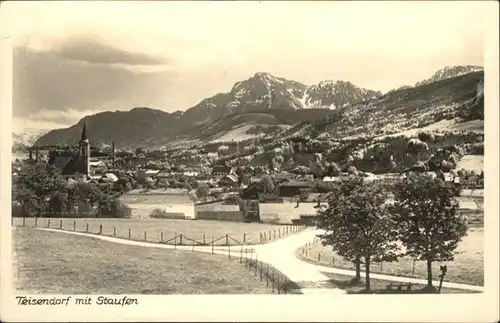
290,151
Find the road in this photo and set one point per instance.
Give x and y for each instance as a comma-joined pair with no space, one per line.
281,255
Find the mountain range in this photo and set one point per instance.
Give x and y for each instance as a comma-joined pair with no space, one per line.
261,100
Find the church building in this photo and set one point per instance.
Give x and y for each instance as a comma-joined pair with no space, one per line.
73,161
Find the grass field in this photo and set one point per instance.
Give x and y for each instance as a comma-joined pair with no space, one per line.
191,229
467,268
59,263
472,162
378,286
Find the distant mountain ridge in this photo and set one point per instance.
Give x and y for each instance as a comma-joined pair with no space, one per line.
452,100
450,71
332,95
262,99
22,140
442,74
282,101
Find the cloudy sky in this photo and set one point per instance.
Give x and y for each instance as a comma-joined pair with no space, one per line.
72,59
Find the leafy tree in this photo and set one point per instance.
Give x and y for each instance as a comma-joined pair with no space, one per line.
429,225
268,183
333,169
34,186
202,191
317,169
357,224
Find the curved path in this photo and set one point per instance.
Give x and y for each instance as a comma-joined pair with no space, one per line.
281,255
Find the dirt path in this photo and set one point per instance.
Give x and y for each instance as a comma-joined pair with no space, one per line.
281,255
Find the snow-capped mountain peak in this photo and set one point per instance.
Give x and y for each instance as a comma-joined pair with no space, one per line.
334,94
450,71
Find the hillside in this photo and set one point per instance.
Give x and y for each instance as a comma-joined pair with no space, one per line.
137,127
458,99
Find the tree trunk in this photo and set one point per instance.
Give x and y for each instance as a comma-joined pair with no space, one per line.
429,274
357,263
367,273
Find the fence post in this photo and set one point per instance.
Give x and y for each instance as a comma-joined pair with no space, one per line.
100,229
227,240
86,227
246,257
269,234
260,235
261,271
212,245
193,245
381,265
241,255
161,237
267,275
74,225
256,264
24,221
274,233
175,240
36,222
145,235
319,257
279,232
229,250
48,223
272,280
413,269
129,233
244,238
60,224
180,240
204,239
114,231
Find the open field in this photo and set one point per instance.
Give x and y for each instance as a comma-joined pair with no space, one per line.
378,286
191,229
471,162
468,266
59,263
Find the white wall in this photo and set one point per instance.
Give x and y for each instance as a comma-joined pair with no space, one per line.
187,209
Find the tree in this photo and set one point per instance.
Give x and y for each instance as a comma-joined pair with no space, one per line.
357,224
333,169
34,186
202,191
317,169
268,183
429,225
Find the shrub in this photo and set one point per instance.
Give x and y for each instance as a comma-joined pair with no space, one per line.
158,214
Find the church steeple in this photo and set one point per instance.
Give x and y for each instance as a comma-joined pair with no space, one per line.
84,131
84,151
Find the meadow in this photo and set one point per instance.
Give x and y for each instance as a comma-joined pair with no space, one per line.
197,231
467,268
60,263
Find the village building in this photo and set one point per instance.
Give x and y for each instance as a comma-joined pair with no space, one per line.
294,187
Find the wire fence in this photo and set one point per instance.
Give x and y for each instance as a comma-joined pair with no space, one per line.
236,249
154,233
275,280
312,253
